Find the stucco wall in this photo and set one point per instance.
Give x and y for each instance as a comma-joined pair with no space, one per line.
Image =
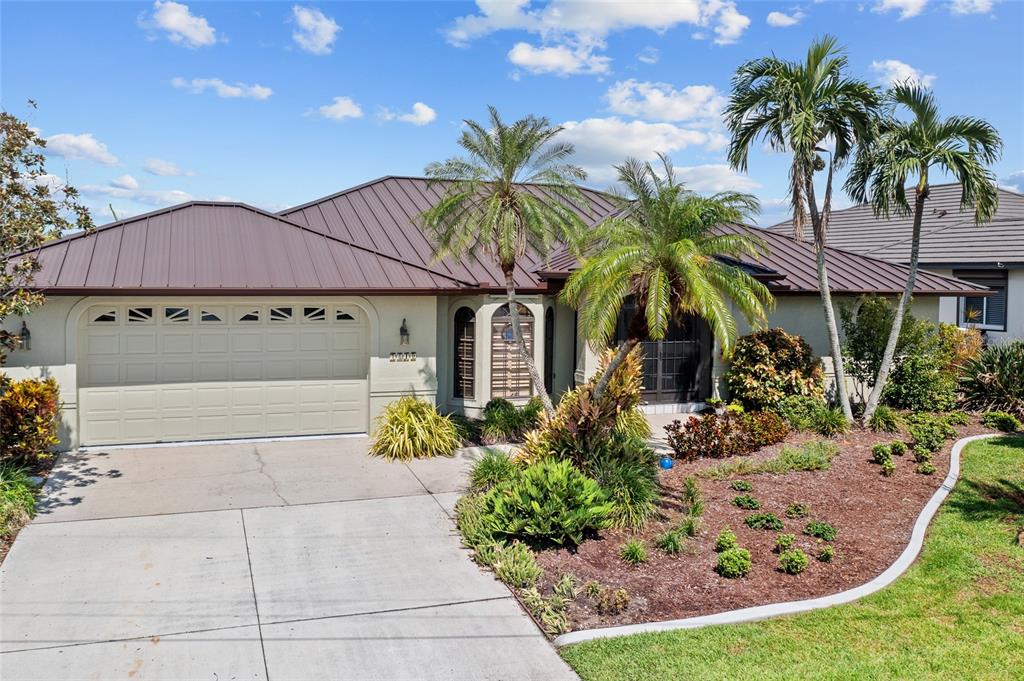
948,307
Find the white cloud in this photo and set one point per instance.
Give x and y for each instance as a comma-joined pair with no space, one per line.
783,20
316,32
602,142
728,22
715,177
340,108
151,197
125,182
237,90
906,8
182,27
662,102
561,60
971,6
421,114
1014,181
892,71
158,166
648,55
83,146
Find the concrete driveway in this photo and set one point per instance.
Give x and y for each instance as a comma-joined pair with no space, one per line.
280,560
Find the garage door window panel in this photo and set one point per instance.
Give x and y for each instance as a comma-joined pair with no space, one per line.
281,314
177,315
248,315
140,315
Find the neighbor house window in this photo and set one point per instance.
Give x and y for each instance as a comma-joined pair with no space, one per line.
465,353
509,374
984,312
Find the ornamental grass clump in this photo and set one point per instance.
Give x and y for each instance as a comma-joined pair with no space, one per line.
885,420
492,469
631,487
633,552
410,428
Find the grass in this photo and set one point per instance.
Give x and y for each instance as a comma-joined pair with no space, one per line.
17,499
957,613
813,456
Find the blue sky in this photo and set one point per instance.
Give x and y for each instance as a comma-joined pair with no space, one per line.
275,104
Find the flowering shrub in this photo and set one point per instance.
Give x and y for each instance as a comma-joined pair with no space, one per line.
770,365
28,413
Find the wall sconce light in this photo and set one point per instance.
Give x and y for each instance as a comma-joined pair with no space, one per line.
25,337
403,333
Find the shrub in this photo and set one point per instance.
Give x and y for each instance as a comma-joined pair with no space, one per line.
725,540
922,455
925,468
958,346
898,448
784,542
671,542
957,418
885,420
994,380
919,382
516,566
17,499
633,552
797,510
929,431
764,428
550,502
492,469
690,526
633,423
866,327
1001,420
413,429
821,530
881,453
812,456
631,487
29,411
888,468
612,602
770,365
741,486
793,562
592,589
763,521
504,422
733,563
799,410
745,501
829,422
711,436
827,554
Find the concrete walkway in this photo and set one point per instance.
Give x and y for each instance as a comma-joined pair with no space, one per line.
277,560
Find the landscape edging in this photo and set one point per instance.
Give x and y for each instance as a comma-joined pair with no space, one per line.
761,612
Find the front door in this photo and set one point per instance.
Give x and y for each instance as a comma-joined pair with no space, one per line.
677,369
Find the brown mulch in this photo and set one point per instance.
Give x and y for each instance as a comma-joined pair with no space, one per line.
874,516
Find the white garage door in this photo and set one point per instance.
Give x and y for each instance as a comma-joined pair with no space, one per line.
155,372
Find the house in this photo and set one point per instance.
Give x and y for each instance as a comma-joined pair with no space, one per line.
991,255
210,320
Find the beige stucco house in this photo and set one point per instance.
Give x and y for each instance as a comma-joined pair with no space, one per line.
208,321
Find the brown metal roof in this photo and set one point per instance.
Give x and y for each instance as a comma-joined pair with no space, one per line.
948,234
790,267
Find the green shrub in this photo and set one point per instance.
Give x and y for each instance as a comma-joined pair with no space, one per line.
784,542
633,552
957,418
612,602
922,455
797,510
821,530
1001,420
504,422
888,468
827,554
799,410
471,521
29,411
898,448
550,612
925,468
881,453
516,566
17,499
829,422
551,502
763,521
920,382
929,431
764,428
725,540
690,526
994,379
492,469
741,486
745,501
410,428
631,488
885,420
793,562
671,542
733,563
770,365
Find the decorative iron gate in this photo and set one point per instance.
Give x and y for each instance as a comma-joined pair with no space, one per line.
678,368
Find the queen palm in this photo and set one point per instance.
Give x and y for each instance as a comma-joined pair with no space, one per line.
491,202
907,150
800,107
662,249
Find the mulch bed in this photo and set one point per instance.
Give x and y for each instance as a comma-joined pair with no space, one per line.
874,516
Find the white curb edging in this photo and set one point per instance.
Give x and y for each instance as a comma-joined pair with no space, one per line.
762,612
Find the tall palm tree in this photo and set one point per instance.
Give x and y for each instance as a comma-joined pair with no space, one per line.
514,189
801,107
960,146
662,249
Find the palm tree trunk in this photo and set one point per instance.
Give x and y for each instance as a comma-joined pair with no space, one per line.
517,333
634,334
820,224
897,321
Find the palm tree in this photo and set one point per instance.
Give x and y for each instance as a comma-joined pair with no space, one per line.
488,204
662,249
801,107
960,146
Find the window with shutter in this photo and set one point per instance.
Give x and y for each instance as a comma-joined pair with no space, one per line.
984,312
510,376
464,367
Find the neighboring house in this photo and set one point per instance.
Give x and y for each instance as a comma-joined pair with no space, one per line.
219,320
991,254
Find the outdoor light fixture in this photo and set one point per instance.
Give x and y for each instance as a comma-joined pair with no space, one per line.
25,336
403,333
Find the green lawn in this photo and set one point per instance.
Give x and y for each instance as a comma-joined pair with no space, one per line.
958,613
